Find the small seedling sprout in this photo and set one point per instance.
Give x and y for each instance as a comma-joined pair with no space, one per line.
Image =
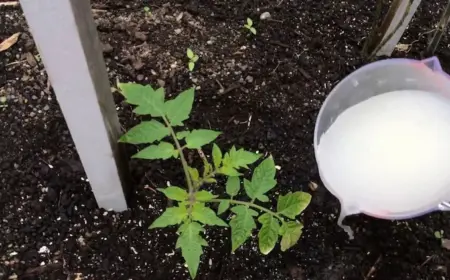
193,58
249,26
194,208
147,11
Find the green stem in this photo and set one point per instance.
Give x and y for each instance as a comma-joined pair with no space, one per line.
249,204
183,160
203,180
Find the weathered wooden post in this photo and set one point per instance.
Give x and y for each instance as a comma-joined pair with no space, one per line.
67,39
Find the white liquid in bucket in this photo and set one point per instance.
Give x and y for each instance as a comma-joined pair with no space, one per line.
389,154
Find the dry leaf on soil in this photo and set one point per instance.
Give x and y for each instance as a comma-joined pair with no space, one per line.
9,42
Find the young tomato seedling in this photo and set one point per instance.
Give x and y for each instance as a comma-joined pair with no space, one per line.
249,26
193,58
193,207
147,11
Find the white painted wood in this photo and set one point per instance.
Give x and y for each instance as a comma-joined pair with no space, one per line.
389,47
67,39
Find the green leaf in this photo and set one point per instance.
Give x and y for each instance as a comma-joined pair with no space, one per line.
175,193
206,215
200,137
233,185
262,198
145,132
229,171
207,168
249,22
193,172
195,58
149,101
223,206
204,196
268,234
217,156
172,216
262,179
239,158
182,134
177,110
191,242
253,30
241,225
292,204
190,54
290,233
210,180
163,150
191,66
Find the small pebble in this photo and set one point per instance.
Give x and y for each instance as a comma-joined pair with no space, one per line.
265,15
249,79
32,114
46,108
178,31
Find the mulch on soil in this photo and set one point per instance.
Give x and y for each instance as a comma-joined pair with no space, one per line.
263,92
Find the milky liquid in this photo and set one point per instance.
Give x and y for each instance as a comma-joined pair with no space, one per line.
389,154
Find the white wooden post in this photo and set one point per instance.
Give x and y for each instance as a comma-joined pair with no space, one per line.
390,45
67,39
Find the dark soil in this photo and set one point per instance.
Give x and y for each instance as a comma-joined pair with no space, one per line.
263,92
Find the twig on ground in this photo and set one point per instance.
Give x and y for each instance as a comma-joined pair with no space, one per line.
15,62
231,88
372,269
9,4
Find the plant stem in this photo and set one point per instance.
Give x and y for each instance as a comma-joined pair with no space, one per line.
183,160
250,204
390,35
440,29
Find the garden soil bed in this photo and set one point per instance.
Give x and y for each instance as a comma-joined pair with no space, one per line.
263,92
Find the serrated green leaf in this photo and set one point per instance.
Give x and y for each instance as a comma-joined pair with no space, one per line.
249,22
200,137
268,234
193,172
175,193
206,215
233,186
149,101
229,171
290,233
163,150
191,66
292,204
177,110
191,242
242,225
217,156
145,132
204,196
239,158
190,54
262,179
172,216
182,134
223,206
253,30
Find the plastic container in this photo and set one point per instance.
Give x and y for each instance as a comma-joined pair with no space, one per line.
371,80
